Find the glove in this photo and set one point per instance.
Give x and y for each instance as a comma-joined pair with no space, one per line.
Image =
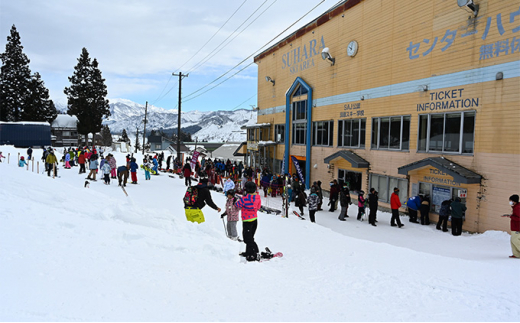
223,215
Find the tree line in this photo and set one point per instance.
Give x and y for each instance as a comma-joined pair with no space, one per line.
24,97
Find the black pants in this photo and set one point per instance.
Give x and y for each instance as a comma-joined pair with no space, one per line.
360,212
107,178
301,209
248,232
82,168
332,205
456,226
50,168
443,222
311,214
395,217
187,181
413,215
425,217
372,216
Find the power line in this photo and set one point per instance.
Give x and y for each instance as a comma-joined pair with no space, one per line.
244,101
213,35
261,48
200,63
237,34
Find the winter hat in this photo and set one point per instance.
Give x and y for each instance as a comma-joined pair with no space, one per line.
21,158
250,187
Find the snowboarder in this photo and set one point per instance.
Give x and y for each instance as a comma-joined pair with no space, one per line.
250,204
203,197
232,215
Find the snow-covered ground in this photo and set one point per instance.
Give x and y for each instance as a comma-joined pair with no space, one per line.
69,253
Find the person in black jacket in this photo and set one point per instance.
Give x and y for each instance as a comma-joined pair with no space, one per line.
444,214
373,199
344,201
194,212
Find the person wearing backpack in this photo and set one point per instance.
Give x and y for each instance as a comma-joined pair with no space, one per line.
313,200
195,199
250,204
232,215
344,202
444,214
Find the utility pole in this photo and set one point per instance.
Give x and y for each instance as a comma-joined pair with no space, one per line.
179,116
144,132
136,139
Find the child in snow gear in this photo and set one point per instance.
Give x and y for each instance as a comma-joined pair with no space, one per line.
93,165
195,199
515,225
122,175
232,215
361,205
22,162
146,168
106,171
250,204
133,170
313,203
1,156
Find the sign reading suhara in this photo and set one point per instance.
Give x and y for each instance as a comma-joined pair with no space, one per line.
301,58
447,100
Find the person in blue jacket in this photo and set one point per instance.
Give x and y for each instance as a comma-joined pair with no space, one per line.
413,204
22,162
133,170
155,165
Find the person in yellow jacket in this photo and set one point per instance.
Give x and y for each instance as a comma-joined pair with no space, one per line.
52,163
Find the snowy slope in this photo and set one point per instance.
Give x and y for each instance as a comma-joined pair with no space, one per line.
69,253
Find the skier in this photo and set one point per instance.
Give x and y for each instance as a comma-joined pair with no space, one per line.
344,201
232,215
22,162
395,204
194,212
250,204
313,200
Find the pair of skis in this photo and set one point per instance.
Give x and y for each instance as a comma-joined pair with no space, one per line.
265,255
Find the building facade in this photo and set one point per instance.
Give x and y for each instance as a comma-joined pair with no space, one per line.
420,95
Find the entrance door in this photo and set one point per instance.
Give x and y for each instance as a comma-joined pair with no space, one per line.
353,179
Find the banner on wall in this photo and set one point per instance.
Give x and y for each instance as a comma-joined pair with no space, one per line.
298,169
282,171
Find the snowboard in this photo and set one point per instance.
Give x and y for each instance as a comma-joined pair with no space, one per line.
265,255
269,210
298,215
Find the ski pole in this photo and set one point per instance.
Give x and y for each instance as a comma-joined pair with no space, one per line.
225,229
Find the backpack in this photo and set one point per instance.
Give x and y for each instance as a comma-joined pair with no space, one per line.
191,196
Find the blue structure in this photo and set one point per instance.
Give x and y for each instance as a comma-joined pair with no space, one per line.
25,134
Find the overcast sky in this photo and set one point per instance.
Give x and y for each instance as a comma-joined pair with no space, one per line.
140,43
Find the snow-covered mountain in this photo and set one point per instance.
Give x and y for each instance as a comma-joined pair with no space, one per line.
220,126
211,125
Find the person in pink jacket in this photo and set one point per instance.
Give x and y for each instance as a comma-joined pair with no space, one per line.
113,166
250,204
232,215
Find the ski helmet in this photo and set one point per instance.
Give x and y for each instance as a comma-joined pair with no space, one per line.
250,187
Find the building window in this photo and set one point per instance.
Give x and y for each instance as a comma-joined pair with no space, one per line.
322,133
391,133
158,146
351,133
299,110
352,179
447,132
384,185
279,133
299,134
66,134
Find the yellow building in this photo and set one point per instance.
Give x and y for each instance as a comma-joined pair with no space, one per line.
420,95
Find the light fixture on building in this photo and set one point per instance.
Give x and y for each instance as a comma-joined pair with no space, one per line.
269,79
499,76
325,54
362,97
424,88
470,5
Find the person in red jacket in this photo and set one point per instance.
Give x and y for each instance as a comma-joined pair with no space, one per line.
395,204
515,225
186,171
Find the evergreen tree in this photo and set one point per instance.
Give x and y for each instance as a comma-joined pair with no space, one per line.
124,136
86,95
15,77
38,106
106,135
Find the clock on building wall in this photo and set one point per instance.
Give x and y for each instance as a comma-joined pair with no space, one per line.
352,48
